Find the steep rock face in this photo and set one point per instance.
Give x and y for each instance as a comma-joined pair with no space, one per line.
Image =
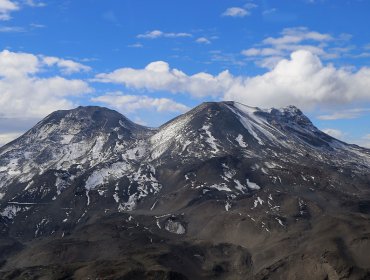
224,173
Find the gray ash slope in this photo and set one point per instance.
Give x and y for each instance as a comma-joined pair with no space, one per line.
224,191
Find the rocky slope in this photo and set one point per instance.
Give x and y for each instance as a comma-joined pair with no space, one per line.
224,191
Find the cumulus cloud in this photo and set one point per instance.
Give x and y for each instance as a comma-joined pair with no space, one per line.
67,66
24,93
9,6
336,133
235,12
155,34
158,76
239,11
302,80
272,49
203,40
6,7
132,103
297,35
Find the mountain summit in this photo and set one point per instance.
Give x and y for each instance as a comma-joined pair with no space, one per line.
223,191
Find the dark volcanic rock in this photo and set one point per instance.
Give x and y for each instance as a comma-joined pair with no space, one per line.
225,191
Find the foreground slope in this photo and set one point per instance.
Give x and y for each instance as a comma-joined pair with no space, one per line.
225,190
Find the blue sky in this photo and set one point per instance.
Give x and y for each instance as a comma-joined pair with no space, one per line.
152,60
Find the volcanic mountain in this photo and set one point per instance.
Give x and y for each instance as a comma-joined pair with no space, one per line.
225,191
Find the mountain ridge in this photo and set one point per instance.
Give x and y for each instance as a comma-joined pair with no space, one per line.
236,185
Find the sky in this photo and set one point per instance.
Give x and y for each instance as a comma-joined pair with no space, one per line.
152,60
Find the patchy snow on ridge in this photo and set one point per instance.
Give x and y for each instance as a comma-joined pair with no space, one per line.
210,139
227,206
240,187
256,125
252,185
220,187
241,114
11,211
174,227
162,140
257,201
241,142
101,176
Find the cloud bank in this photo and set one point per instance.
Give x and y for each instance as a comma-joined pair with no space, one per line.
158,76
24,92
302,80
131,103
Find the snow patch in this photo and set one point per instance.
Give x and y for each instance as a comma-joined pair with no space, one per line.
159,225
239,186
11,211
258,201
210,139
99,177
241,142
174,227
252,185
227,206
280,222
154,204
220,187
88,197
66,139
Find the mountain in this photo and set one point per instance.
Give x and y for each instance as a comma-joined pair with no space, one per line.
225,191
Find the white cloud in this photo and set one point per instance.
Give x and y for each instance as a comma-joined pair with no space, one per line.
158,76
203,40
297,35
345,114
361,55
226,58
9,6
6,7
11,29
17,64
67,66
23,93
302,80
239,12
155,34
22,64
236,12
261,52
363,141
136,45
33,3
269,11
37,25
132,103
7,137
272,49
336,133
